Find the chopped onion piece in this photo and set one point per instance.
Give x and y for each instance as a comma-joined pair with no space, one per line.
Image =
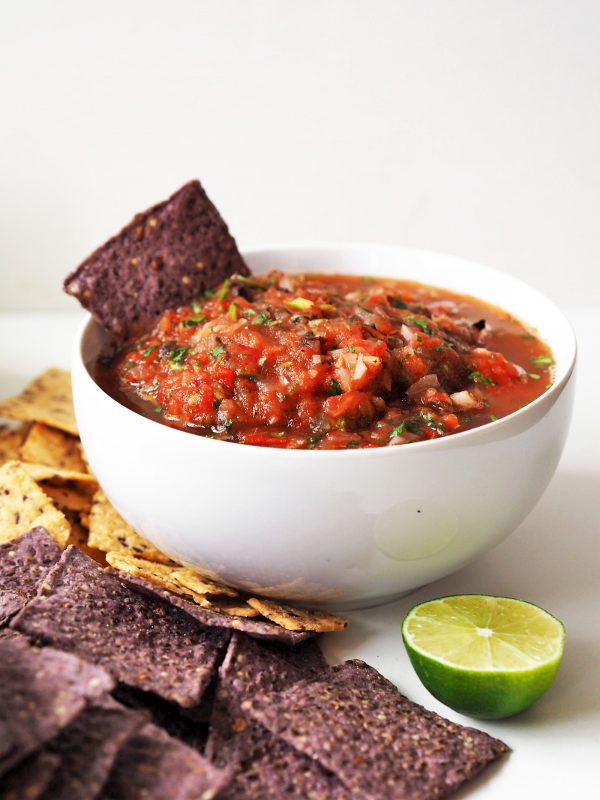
464,400
360,370
406,333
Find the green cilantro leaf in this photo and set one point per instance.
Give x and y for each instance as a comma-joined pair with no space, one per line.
191,322
477,377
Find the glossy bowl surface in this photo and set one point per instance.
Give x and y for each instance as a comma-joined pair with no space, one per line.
338,528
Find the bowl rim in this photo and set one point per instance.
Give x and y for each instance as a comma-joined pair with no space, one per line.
443,442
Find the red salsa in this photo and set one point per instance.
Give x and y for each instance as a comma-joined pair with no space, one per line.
330,362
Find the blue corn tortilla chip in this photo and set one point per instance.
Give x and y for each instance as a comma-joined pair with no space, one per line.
190,725
143,642
87,750
258,629
382,746
166,257
265,767
154,766
42,690
251,666
23,563
29,779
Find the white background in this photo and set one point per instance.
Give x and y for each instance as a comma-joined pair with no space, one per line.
469,126
466,126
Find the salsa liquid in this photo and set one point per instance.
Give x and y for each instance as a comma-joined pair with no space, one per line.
329,362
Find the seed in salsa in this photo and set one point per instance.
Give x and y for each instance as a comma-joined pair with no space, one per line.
330,362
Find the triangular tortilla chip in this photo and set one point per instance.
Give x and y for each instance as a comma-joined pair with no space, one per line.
46,399
166,257
45,445
23,506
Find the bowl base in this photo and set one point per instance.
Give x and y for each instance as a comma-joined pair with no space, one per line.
372,602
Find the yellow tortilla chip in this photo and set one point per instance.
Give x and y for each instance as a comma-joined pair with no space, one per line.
297,619
42,472
78,538
23,506
235,608
200,584
68,496
45,445
110,532
162,575
78,535
46,399
11,440
149,570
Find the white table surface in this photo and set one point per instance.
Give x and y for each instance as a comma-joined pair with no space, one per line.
552,559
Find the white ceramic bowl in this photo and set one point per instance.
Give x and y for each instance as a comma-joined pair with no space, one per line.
340,528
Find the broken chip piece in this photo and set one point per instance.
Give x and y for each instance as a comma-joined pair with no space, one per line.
166,257
25,506
46,399
143,642
233,607
23,564
41,691
297,619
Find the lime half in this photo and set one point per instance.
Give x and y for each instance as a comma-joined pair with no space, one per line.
489,657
